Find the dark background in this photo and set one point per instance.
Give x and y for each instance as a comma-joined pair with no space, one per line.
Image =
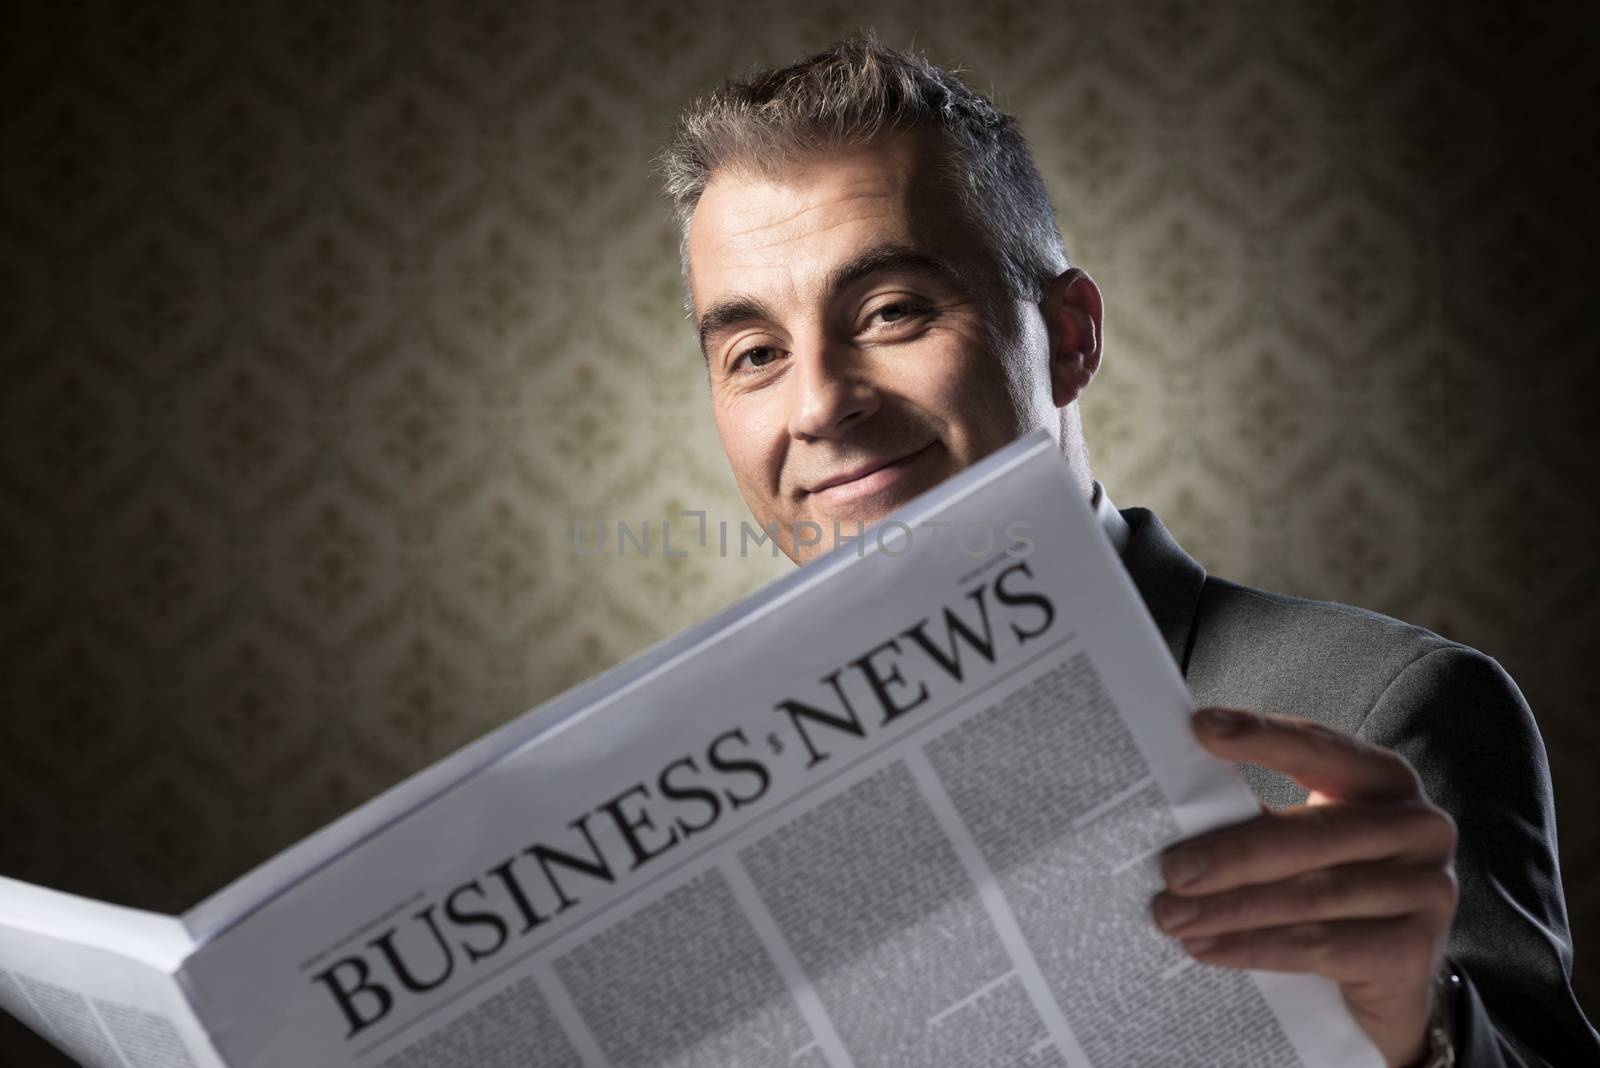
319,324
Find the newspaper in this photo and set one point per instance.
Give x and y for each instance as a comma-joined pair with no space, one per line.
902,808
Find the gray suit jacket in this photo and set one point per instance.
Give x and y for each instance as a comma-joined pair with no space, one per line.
1460,721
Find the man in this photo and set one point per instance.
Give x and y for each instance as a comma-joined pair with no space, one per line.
881,295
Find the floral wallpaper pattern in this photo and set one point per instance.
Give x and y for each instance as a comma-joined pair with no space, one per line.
321,324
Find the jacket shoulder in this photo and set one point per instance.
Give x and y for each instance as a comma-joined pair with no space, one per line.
1276,653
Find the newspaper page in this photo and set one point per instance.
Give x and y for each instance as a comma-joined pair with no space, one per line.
901,808
97,980
904,808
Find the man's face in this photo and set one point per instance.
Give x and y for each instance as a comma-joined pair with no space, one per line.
860,348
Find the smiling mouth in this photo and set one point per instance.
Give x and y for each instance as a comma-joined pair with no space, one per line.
868,479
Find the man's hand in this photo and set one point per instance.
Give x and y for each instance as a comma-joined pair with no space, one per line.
1356,884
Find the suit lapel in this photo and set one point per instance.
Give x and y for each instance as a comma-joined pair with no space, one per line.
1169,580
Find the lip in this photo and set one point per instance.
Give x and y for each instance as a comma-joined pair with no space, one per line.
866,479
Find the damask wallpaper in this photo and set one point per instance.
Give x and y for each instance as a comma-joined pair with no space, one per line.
321,324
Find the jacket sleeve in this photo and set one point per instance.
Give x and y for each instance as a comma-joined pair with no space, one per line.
1465,727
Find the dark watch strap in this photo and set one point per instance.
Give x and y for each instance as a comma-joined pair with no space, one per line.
1441,1046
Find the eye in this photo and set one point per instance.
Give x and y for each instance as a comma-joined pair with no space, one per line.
757,356
896,311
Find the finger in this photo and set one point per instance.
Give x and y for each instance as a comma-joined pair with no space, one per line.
1307,838
1354,891
1396,952
1317,757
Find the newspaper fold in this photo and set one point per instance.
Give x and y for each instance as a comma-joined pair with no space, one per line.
901,808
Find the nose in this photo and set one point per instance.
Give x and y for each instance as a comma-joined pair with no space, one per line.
829,393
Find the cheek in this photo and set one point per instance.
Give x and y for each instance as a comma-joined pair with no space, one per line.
751,434
1007,388
967,389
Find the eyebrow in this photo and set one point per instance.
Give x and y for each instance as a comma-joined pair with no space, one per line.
880,258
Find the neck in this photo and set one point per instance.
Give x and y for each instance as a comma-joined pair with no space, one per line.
1075,449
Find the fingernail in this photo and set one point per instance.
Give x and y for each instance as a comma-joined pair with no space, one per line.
1183,867
1227,720
1175,912
1197,946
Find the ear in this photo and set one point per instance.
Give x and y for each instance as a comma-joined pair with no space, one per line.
1073,314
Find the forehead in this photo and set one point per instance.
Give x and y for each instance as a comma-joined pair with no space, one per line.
781,230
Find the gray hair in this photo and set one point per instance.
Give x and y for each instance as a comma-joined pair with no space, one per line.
846,96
